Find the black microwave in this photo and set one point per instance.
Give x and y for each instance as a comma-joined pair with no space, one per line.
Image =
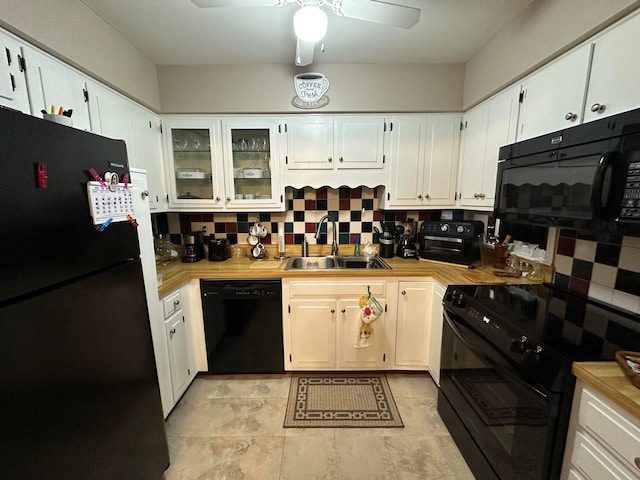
587,176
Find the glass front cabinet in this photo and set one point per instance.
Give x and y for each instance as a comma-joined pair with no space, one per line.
253,154
228,163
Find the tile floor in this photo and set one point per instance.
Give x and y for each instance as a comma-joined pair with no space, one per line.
230,427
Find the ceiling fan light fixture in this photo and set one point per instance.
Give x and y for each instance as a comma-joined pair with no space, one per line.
310,23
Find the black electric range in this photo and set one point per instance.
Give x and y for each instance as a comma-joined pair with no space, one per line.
505,383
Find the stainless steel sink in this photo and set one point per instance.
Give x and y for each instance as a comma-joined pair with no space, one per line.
335,263
311,263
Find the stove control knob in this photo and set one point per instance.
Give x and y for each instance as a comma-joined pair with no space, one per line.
458,299
460,229
518,345
444,227
531,356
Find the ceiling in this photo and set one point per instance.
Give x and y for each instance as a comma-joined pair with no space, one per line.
176,32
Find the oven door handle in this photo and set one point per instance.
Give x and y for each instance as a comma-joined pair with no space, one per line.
513,376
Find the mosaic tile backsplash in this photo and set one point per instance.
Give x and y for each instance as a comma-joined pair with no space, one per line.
354,209
605,268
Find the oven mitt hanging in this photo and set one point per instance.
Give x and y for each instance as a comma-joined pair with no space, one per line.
370,309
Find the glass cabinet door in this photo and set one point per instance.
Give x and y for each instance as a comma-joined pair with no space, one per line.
252,155
194,169
191,151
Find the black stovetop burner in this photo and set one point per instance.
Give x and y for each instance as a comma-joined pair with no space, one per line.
576,327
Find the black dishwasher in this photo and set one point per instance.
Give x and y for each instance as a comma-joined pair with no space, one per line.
243,325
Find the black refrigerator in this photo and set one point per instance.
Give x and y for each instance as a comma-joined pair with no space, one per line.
79,395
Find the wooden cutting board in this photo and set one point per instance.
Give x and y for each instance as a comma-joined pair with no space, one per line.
483,278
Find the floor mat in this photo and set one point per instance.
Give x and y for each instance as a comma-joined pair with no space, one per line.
335,400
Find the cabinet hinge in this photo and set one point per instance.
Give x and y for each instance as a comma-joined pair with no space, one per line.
289,308
150,126
8,52
290,359
385,307
384,129
22,63
281,198
384,357
286,159
188,371
391,126
279,128
389,196
86,95
461,126
183,319
13,82
160,127
384,159
521,97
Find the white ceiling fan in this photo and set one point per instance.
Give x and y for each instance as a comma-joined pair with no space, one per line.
310,21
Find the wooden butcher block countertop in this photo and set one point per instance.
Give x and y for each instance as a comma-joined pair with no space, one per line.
177,274
607,378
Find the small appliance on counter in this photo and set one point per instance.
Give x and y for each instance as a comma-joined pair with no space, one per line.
386,247
193,247
451,241
219,249
407,238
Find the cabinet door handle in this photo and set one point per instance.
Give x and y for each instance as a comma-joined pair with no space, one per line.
228,199
176,303
144,194
637,461
341,159
570,116
172,331
344,310
597,107
217,199
427,196
330,159
333,310
419,196
404,292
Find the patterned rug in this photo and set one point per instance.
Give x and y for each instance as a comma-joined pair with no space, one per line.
335,400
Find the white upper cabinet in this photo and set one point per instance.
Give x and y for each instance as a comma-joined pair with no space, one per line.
146,152
13,83
423,161
252,153
52,84
615,69
109,114
487,127
553,96
359,141
334,150
309,143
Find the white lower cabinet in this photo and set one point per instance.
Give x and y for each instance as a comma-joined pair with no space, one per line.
435,332
178,335
603,441
412,324
321,321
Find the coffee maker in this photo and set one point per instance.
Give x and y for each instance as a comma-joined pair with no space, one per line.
193,247
407,242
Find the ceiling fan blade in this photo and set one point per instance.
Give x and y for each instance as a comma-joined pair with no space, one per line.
304,53
234,3
377,11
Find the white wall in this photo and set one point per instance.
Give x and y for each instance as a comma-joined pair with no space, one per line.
545,30
71,31
269,88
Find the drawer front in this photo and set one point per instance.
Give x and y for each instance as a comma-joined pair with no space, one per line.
171,304
615,431
592,460
336,288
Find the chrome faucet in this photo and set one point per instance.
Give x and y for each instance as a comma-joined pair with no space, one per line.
334,245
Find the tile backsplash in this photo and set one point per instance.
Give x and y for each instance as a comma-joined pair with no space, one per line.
606,267
354,209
